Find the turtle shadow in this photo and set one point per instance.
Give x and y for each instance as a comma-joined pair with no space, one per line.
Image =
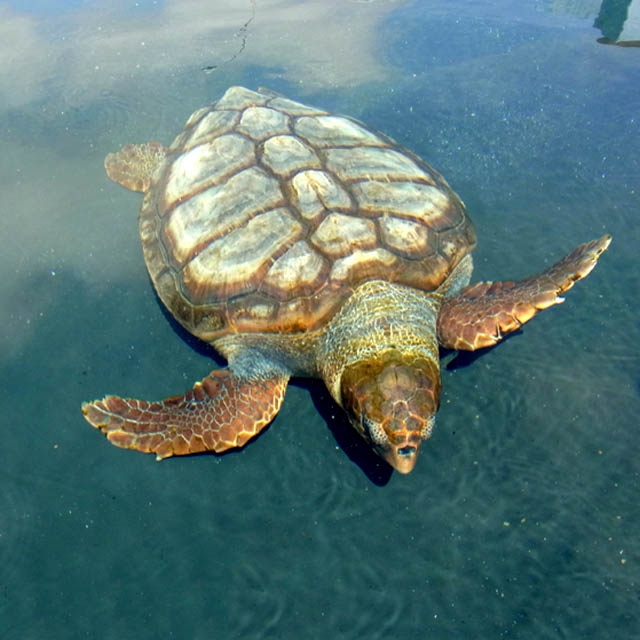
347,438
199,346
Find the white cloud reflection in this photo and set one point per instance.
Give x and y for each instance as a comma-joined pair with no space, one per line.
99,47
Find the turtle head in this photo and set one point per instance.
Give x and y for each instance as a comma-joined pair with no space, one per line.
392,401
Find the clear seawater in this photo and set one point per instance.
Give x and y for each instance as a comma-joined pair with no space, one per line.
522,518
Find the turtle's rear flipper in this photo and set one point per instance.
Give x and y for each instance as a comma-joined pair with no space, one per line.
221,412
483,312
134,164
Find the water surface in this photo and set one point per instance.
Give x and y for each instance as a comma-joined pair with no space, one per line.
521,518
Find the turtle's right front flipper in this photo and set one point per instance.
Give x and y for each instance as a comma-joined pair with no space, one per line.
223,411
483,312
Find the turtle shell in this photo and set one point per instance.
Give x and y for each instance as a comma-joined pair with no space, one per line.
267,213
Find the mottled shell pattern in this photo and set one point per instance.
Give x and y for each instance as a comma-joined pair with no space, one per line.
268,213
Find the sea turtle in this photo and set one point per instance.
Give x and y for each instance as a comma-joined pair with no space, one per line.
302,243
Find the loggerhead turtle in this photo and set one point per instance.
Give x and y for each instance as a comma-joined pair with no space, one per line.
301,243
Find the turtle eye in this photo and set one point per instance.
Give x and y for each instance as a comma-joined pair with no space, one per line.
374,431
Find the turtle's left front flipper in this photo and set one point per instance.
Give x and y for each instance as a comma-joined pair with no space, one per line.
483,312
223,411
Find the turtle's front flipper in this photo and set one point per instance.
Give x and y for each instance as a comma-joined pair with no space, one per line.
223,411
483,312
134,164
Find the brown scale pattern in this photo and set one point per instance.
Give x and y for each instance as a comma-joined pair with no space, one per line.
481,313
220,412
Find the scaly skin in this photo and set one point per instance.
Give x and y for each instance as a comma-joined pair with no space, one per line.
223,411
479,315
379,359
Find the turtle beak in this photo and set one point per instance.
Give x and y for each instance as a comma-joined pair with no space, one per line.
402,458
404,435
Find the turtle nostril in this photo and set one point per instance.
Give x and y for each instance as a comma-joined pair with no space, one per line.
408,450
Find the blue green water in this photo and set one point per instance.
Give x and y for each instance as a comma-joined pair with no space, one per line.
521,519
